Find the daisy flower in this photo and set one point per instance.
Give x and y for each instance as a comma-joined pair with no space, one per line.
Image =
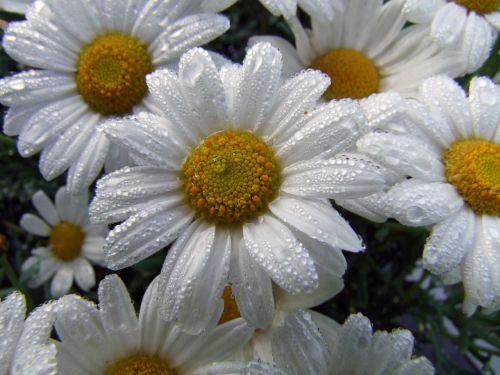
92,59
468,25
25,346
15,6
450,147
73,245
112,340
365,49
239,169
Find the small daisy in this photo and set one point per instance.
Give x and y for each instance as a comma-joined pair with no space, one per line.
450,147
73,245
112,340
25,346
15,6
239,168
365,49
92,59
468,25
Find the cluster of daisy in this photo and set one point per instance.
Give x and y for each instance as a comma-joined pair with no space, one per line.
233,168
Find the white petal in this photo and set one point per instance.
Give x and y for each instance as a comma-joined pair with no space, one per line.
45,208
204,91
88,164
417,366
296,97
190,31
421,11
84,274
444,95
327,131
223,341
318,220
323,8
449,241
12,312
35,86
118,196
274,247
291,60
72,207
145,233
484,97
345,176
481,268
371,207
34,225
298,346
494,19
477,41
116,309
62,281
194,275
285,8
28,46
449,24
417,203
251,286
406,154
259,81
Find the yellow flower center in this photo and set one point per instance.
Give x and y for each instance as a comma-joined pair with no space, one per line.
473,167
231,310
230,177
111,73
353,74
480,6
66,241
140,364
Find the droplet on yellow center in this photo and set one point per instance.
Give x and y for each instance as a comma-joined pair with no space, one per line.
353,75
66,241
473,167
111,73
140,364
480,6
230,177
231,310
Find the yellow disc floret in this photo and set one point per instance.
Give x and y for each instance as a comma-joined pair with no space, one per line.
353,74
111,73
230,177
140,364
473,167
231,310
66,241
480,6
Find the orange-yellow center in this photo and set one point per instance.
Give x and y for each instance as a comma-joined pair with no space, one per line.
231,310
230,177
111,73
66,241
480,6
473,167
140,364
353,75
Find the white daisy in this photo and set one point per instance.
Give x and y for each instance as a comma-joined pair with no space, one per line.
15,6
470,26
365,49
112,340
93,57
73,245
450,147
25,346
239,168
